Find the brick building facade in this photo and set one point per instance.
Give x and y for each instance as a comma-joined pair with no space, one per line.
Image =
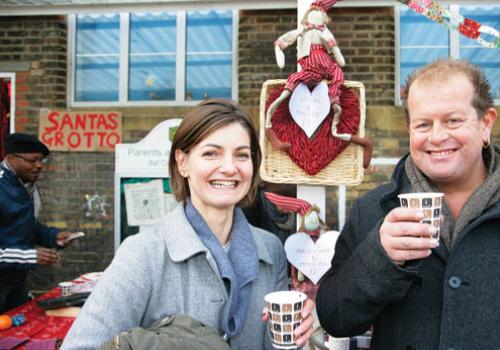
35,49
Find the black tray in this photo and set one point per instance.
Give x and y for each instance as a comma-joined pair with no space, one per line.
77,299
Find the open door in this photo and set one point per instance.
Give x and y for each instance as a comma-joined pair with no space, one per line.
6,109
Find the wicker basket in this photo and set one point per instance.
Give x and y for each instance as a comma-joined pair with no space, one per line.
346,169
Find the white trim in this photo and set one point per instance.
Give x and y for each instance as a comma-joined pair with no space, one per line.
124,59
132,104
71,61
384,161
397,41
151,54
341,203
176,5
84,55
209,53
424,46
117,208
235,91
180,65
12,120
454,49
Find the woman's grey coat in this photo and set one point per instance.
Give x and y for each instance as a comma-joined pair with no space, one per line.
443,302
166,270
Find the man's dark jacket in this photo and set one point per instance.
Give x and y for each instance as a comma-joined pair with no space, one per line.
446,301
19,229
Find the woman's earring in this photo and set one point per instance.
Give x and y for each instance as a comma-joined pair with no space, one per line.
486,143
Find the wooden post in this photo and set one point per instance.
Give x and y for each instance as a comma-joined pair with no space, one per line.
312,194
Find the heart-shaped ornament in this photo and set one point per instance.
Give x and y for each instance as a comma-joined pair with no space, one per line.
310,258
309,109
314,154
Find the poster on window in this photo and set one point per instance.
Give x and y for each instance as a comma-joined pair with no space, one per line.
83,131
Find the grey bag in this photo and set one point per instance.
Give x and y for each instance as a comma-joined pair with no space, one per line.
177,332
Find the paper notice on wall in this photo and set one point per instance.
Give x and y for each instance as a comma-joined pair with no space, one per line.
145,203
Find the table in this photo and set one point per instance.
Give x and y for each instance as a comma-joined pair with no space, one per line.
40,331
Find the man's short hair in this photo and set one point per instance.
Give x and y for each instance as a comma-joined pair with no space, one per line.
24,143
442,69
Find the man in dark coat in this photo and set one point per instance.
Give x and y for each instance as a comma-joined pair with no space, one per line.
24,242
420,293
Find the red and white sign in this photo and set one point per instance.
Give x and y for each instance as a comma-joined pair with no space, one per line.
85,131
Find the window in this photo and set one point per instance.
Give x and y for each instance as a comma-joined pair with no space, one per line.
153,47
422,41
152,58
97,61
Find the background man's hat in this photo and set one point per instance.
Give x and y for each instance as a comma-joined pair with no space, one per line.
324,5
24,143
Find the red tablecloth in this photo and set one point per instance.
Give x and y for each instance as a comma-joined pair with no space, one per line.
38,326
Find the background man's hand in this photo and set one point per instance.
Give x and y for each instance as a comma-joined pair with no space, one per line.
404,238
46,256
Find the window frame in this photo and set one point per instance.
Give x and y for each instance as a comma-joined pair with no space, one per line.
180,87
454,50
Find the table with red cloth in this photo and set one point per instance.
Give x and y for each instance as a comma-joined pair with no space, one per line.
39,331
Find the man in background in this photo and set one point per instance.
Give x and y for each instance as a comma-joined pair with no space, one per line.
24,242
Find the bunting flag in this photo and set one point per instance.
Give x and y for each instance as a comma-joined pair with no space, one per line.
484,35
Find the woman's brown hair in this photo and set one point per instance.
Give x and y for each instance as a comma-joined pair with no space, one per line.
207,117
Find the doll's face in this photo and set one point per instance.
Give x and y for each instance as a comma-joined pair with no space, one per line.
315,17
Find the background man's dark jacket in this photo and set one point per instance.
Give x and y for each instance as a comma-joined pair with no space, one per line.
19,229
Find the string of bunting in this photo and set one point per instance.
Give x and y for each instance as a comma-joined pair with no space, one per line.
466,26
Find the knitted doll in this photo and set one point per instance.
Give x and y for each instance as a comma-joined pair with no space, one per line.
315,43
311,224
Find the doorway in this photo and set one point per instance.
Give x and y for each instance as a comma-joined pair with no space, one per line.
7,107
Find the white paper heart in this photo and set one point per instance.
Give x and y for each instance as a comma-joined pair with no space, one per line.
308,109
312,259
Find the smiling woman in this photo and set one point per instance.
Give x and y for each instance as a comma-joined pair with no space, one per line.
218,171
204,260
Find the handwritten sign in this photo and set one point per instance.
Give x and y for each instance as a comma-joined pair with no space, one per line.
312,259
309,109
85,131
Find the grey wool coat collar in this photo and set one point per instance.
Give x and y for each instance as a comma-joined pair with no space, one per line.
190,244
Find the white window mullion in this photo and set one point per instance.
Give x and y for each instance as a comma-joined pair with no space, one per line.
234,83
180,66
397,66
454,36
124,57
71,64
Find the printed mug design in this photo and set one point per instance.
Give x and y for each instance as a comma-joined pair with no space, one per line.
284,318
430,203
282,323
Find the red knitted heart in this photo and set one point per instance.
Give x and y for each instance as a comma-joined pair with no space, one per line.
314,154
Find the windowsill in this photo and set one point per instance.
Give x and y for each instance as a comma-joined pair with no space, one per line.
140,104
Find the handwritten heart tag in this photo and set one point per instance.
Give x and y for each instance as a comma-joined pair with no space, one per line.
309,109
310,258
